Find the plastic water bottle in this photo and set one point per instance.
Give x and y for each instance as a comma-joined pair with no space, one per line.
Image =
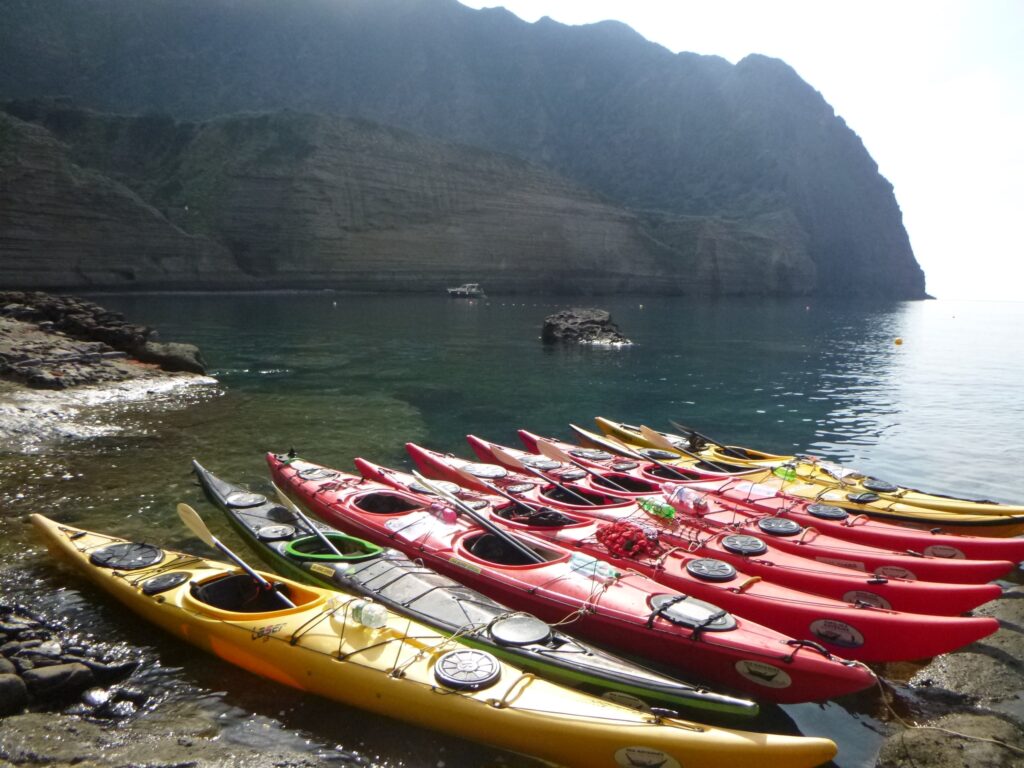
656,508
592,567
372,615
684,500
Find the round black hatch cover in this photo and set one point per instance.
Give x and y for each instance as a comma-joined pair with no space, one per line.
879,486
624,466
659,455
163,582
520,487
444,485
475,504
128,556
467,670
862,498
275,532
572,475
827,512
317,473
591,454
486,471
520,629
244,499
542,463
710,569
742,544
779,526
695,614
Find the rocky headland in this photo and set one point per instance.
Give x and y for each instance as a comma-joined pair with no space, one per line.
582,325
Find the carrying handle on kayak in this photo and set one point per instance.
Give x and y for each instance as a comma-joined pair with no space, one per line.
480,520
507,458
658,440
555,453
294,509
195,523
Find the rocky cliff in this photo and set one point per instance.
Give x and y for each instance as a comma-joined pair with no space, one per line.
698,144
305,201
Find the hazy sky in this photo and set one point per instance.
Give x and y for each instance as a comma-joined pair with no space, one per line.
934,88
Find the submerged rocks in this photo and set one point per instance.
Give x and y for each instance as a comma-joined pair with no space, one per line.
582,326
40,672
55,342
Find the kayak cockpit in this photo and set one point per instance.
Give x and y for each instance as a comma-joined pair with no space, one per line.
499,551
349,549
239,593
387,503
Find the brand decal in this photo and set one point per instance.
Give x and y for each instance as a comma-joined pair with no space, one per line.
842,563
267,631
767,675
944,550
867,598
894,572
463,564
645,757
323,570
837,633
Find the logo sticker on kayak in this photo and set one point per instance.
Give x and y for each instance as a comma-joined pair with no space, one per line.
644,757
837,633
267,631
463,564
626,700
764,674
851,564
894,572
868,598
944,550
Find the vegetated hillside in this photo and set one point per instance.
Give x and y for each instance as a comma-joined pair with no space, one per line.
297,200
682,135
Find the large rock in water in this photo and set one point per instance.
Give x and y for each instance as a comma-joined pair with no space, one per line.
582,326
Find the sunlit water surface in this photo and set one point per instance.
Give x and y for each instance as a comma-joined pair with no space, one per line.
338,376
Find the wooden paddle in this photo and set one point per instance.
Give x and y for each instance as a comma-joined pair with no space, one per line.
507,458
479,519
659,440
195,524
555,453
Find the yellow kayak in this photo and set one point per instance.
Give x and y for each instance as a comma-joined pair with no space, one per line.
823,482
358,653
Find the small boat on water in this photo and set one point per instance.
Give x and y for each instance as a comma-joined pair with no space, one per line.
467,291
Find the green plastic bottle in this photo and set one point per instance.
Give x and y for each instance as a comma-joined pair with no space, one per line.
657,508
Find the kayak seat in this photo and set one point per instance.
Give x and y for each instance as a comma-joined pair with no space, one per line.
386,503
627,483
544,517
238,592
493,549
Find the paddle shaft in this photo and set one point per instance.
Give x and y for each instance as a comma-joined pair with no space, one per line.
316,530
560,455
509,458
480,520
617,445
661,441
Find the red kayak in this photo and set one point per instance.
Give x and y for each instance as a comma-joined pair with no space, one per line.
717,512
629,612
751,554
857,632
826,517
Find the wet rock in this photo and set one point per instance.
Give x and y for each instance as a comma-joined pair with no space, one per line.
6,667
96,697
917,747
13,694
105,673
172,356
582,326
58,681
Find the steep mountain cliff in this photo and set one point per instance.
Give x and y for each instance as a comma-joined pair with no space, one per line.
306,201
688,142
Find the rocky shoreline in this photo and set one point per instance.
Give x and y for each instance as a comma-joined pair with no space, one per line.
56,342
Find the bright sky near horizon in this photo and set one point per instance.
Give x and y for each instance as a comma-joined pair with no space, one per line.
934,89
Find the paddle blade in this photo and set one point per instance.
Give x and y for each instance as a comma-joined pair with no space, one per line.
657,439
285,501
195,523
507,458
553,452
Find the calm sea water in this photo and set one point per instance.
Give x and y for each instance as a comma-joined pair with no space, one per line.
338,376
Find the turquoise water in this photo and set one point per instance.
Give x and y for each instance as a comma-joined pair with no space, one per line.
338,376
